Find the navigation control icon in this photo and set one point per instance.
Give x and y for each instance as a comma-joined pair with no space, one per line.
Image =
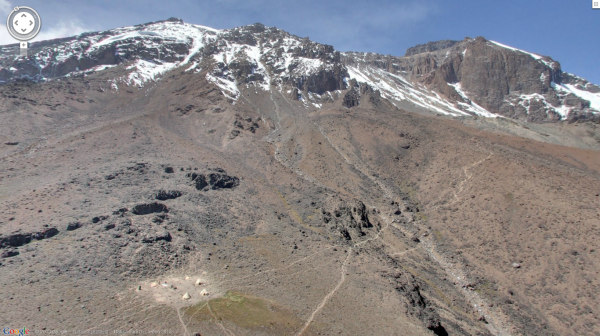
23,23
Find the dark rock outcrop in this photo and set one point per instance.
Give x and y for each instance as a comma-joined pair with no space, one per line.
163,195
9,253
216,180
351,98
324,81
45,234
245,123
350,219
145,209
244,70
20,239
199,180
418,305
15,240
222,181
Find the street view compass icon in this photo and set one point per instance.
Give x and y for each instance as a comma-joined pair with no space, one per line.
23,24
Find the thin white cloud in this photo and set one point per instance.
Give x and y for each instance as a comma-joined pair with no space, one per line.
5,38
62,29
5,7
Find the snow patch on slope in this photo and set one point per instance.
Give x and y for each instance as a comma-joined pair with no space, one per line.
157,39
227,86
525,101
233,52
593,98
396,88
145,71
192,35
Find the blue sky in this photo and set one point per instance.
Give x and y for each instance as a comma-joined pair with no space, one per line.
567,30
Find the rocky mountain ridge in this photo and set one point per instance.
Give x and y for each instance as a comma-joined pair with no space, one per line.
457,78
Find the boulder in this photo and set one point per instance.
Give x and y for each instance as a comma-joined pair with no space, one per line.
73,226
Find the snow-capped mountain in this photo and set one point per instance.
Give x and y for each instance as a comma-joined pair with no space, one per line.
456,78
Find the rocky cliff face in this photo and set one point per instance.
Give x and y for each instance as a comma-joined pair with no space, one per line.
509,82
473,77
478,76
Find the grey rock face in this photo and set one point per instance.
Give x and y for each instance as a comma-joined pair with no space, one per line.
430,46
504,81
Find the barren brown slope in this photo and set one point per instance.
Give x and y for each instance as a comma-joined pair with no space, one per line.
492,201
368,220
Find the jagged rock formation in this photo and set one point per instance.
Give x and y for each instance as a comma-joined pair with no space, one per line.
429,47
349,219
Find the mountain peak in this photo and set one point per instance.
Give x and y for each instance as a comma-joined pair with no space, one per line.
171,19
